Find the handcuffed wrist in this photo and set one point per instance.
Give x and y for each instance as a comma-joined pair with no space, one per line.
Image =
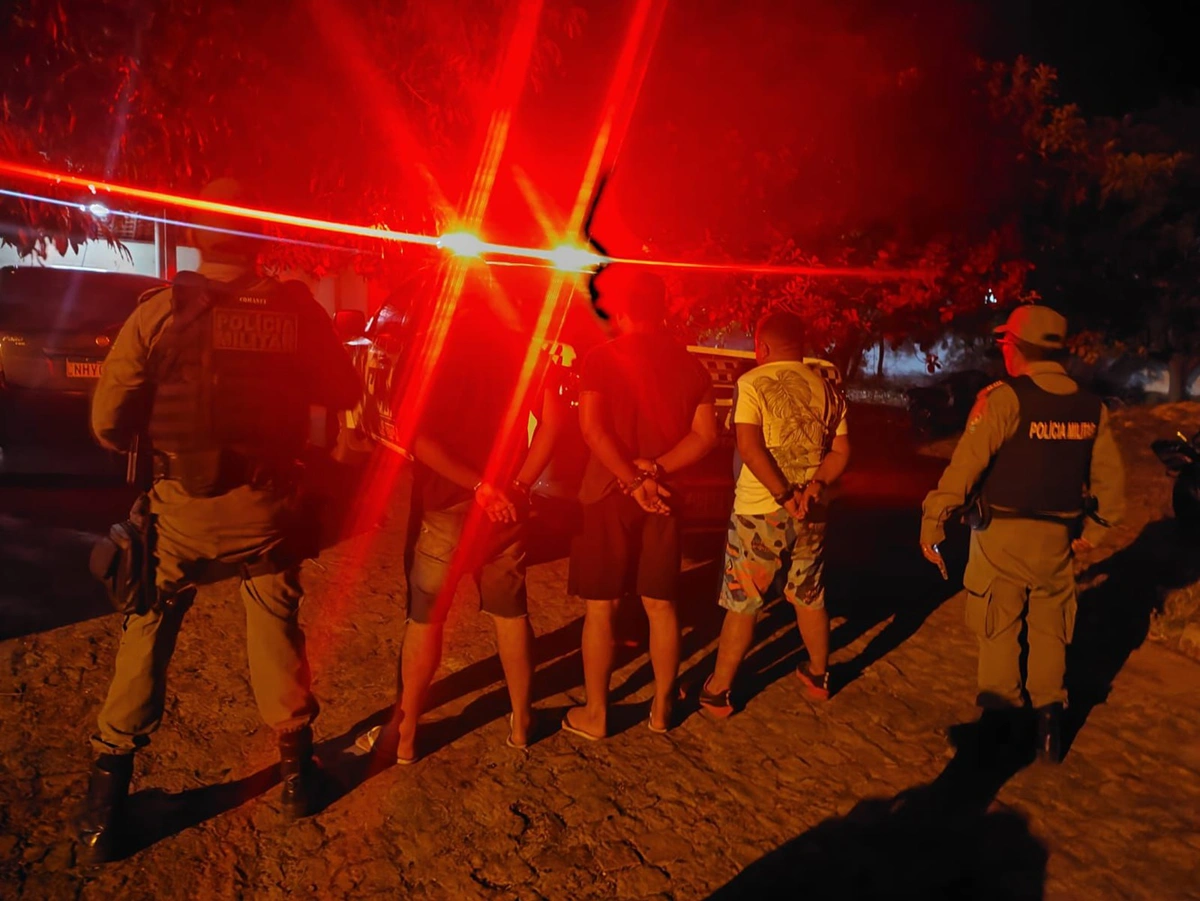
635,483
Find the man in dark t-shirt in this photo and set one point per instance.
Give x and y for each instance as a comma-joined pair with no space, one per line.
646,412
474,468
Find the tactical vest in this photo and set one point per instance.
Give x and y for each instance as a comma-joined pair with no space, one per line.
1044,467
228,378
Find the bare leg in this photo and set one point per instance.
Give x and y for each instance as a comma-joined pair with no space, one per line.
514,640
597,667
419,659
814,630
737,635
664,657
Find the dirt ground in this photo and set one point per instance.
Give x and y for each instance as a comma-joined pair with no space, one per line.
872,794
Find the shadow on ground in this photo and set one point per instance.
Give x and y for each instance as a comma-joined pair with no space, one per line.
154,815
942,840
875,573
1118,597
47,528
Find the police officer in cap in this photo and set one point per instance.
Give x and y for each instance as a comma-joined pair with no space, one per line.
219,371
1043,478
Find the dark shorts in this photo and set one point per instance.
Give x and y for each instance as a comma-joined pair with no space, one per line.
495,559
621,548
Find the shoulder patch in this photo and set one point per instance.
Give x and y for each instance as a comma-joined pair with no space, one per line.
979,408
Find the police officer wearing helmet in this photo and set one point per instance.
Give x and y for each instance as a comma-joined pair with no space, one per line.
1043,476
220,371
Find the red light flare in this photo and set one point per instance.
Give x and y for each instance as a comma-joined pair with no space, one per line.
628,76
861,272
507,86
544,214
379,96
565,256
421,366
163,198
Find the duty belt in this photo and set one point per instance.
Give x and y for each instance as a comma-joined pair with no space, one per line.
225,470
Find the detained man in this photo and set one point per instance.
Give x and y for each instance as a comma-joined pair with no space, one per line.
474,469
646,412
792,438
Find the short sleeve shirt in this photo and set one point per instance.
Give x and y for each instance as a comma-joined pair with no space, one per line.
800,412
469,398
651,387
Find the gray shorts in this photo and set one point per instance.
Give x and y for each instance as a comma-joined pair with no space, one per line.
494,555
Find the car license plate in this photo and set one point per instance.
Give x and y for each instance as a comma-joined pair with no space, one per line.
81,370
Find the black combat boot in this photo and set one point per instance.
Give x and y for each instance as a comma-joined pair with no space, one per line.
1049,733
1006,735
299,774
98,825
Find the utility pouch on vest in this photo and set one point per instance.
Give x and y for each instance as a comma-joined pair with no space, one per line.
123,561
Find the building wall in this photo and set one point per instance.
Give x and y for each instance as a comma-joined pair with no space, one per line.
92,255
341,291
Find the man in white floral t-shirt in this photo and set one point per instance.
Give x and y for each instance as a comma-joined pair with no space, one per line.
792,440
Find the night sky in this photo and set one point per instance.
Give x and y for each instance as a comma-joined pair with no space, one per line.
1113,56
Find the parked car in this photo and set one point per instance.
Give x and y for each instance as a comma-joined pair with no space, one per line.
941,408
56,326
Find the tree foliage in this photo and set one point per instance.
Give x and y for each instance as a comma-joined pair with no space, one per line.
327,108
1112,220
851,134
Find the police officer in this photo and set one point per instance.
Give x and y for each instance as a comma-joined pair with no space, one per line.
219,371
1037,456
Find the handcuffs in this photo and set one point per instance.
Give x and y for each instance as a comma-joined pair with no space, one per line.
517,485
635,483
789,492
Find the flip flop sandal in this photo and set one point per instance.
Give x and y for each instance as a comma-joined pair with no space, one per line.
509,741
679,696
715,705
366,743
567,727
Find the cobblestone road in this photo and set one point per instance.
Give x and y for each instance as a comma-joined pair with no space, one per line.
863,796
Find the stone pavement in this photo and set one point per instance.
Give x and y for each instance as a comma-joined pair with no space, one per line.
860,797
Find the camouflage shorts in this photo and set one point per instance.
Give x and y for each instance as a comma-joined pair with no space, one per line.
758,546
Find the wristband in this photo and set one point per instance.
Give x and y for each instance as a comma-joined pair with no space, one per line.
478,485
521,488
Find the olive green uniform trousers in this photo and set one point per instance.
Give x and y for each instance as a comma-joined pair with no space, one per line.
241,532
1020,583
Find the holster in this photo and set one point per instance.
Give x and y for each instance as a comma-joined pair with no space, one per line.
976,513
123,561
